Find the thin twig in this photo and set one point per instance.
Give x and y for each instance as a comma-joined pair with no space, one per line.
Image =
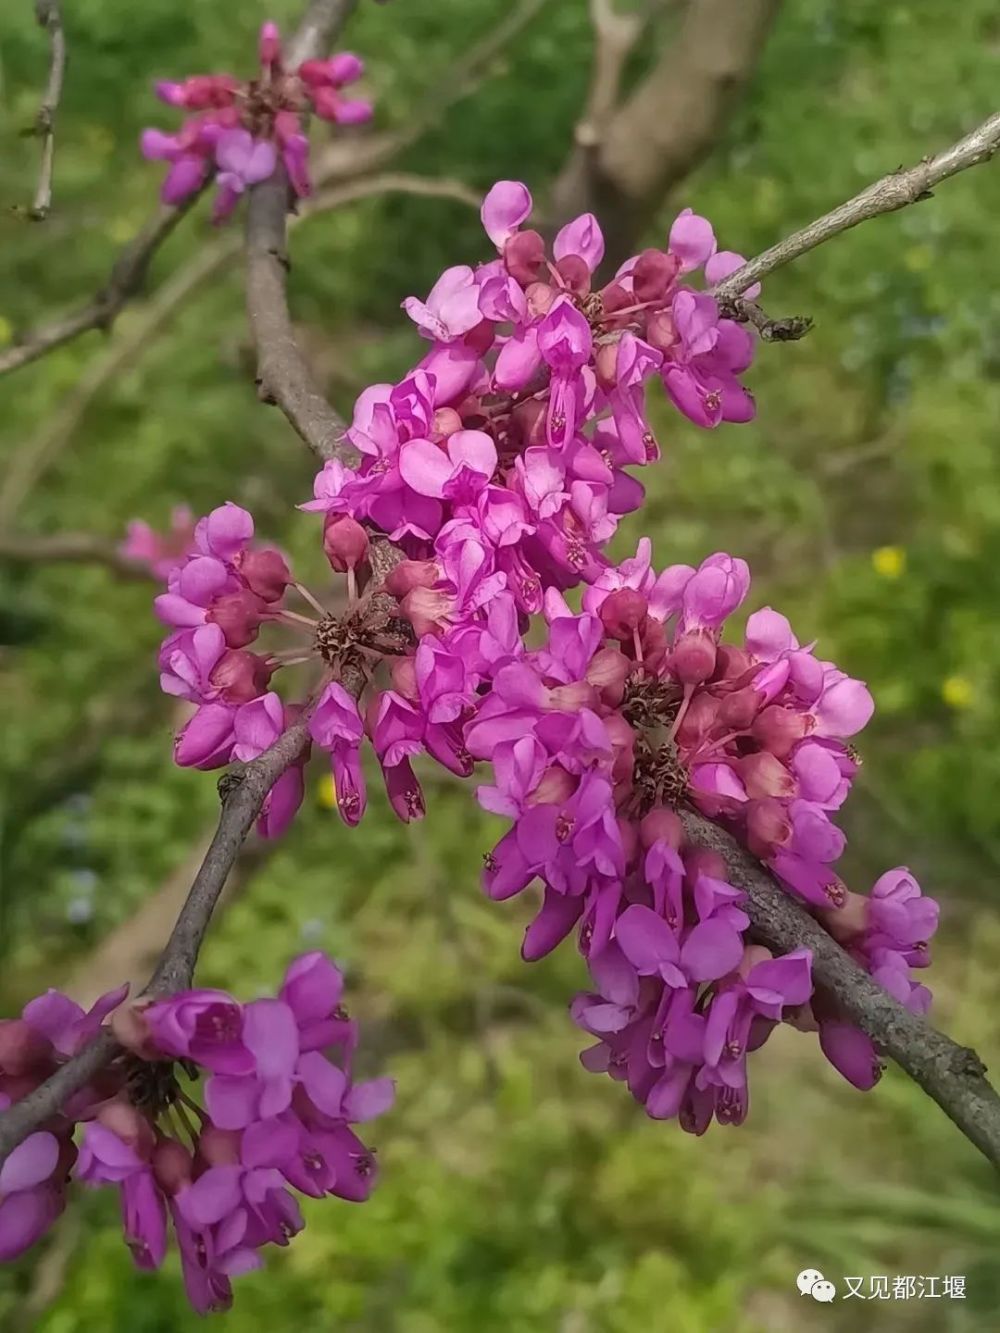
70,548
49,16
789,329
952,1075
897,190
128,273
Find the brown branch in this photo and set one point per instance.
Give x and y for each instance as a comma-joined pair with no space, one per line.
952,1075
128,273
49,16
789,329
652,140
897,190
70,548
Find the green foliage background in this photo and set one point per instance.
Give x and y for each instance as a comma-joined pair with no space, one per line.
518,1193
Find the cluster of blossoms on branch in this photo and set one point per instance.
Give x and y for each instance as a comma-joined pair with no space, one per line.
498,468
275,1116
238,129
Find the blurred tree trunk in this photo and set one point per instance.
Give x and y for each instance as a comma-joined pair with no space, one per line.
629,154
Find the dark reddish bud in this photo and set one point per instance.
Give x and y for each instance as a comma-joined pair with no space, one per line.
661,825
345,542
780,729
655,649
240,676
764,775
700,720
768,827
614,297
738,710
629,835
172,1166
575,274
528,422
446,422
238,615
652,275
524,255
266,573
607,672
22,1049
410,574
730,662
700,861
129,1125
661,332
622,612
480,339
539,297
692,659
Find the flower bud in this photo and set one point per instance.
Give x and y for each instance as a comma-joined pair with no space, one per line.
345,542
219,1147
427,610
240,676
780,729
130,1027
238,615
615,297
700,719
265,573
539,297
730,662
129,1125
738,709
622,739
661,824
652,275
172,1166
763,775
849,920
410,574
528,423
480,339
269,44
555,787
768,827
607,672
524,255
403,673
575,274
446,422
700,861
629,835
661,332
606,366
22,1048
692,659
622,612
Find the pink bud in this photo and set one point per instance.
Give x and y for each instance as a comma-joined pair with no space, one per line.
265,573
446,422
768,827
730,662
404,677
780,729
700,861
22,1048
615,297
345,542
524,254
172,1166
661,332
269,44
219,1147
427,611
129,1027
129,1125
480,339
606,365
607,672
699,720
848,921
528,423
622,612
661,825
693,658
738,709
629,835
764,775
238,615
555,787
539,297
240,676
410,574
652,275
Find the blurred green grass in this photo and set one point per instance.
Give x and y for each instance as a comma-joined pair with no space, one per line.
518,1193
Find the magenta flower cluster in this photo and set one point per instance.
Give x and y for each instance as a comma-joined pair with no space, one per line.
238,129
277,1117
499,467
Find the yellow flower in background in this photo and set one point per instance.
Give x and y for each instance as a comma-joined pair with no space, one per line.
889,561
958,692
326,792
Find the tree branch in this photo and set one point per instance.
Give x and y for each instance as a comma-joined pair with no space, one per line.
897,190
128,273
652,140
952,1075
71,548
49,16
